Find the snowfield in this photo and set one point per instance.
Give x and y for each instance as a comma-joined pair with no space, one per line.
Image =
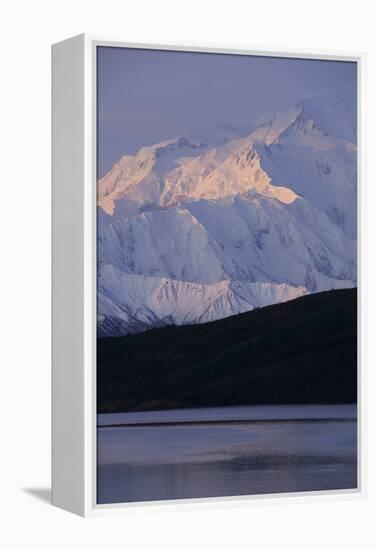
218,222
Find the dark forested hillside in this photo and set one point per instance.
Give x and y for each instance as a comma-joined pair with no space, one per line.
302,351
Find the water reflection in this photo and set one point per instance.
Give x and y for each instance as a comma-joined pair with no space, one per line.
172,462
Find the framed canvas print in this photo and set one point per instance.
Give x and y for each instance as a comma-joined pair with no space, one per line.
206,235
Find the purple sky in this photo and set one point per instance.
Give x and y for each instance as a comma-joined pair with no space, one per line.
145,96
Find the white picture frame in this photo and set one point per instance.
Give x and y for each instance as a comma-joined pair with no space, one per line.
74,275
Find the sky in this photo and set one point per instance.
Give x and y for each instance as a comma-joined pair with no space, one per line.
146,96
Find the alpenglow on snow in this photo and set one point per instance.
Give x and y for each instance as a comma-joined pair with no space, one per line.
219,222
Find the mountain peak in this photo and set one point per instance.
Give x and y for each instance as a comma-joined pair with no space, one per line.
334,112
177,144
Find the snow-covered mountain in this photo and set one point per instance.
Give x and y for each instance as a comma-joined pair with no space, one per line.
130,303
215,223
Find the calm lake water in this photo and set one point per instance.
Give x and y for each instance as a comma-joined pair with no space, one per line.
225,451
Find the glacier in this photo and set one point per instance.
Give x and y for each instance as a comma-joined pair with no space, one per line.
221,221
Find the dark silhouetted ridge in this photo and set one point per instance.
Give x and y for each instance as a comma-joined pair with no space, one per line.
302,351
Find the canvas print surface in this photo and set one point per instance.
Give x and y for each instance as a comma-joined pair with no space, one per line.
226,275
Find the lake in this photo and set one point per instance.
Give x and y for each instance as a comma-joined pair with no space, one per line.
225,451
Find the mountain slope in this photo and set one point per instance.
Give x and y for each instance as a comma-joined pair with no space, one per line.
130,303
247,238
320,168
302,351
